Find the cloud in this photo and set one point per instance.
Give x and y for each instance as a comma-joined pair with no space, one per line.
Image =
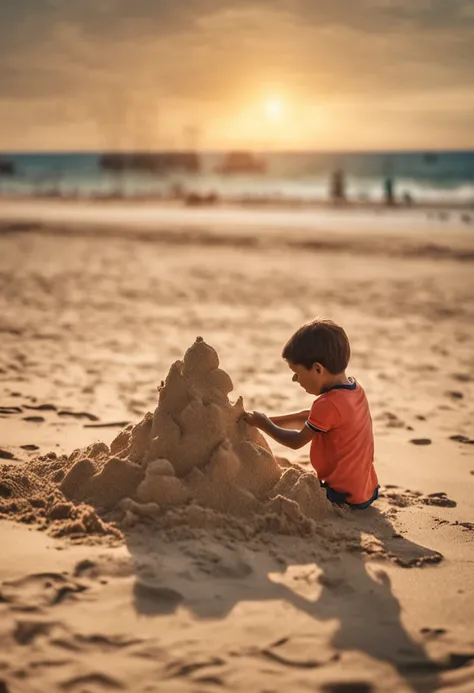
207,56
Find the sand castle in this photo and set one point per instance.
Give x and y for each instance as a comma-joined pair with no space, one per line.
194,452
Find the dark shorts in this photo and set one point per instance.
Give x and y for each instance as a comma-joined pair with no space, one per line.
340,498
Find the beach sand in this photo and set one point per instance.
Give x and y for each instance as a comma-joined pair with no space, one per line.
91,320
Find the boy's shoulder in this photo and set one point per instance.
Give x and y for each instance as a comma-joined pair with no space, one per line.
339,406
345,397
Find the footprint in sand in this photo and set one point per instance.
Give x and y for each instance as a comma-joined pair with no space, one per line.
391,420
348,687
33,592
30,448
433,631
6,455
181,668
40,407
78,414
111,424
288,651
10,410
403,499
92,681
27,631
467,526
86,567
459,438
454,394
420,441
34,419
105,643
440,499
462,377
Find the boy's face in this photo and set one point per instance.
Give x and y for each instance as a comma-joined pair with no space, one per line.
310,379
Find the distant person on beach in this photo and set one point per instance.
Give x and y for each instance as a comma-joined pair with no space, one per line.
338,425
389,197
338,187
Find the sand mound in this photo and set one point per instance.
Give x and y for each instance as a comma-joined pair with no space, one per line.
194,460
30,493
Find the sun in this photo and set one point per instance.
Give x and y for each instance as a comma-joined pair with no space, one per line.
273,108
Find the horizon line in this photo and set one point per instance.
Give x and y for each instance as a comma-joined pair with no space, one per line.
219,150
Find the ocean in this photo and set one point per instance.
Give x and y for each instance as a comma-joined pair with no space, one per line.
446,176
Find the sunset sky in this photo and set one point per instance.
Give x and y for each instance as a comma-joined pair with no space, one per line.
278,74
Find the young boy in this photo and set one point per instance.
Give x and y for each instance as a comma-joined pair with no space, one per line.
338,424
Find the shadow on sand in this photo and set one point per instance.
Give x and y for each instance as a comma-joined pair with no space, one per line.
336,581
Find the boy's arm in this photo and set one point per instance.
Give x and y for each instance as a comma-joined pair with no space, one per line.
297,417
292,439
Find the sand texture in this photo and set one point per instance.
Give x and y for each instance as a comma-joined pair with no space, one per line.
153,541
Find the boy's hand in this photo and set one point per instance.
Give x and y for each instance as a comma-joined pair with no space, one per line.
257,419
292,439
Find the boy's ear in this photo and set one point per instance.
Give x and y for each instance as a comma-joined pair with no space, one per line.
318,367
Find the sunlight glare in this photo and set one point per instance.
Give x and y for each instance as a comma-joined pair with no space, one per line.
273,108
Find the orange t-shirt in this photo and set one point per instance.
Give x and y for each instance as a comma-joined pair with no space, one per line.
342,451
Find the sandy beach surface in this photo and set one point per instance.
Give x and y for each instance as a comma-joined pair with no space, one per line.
92,317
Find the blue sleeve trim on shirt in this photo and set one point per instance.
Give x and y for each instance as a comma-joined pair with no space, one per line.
314,428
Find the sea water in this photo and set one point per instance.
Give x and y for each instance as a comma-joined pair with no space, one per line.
446,176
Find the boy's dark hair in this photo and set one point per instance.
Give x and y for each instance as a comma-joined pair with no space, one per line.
320,341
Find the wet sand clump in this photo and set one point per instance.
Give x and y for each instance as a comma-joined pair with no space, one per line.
193,461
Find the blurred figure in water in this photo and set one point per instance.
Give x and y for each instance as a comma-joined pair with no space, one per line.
338,187
388,194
